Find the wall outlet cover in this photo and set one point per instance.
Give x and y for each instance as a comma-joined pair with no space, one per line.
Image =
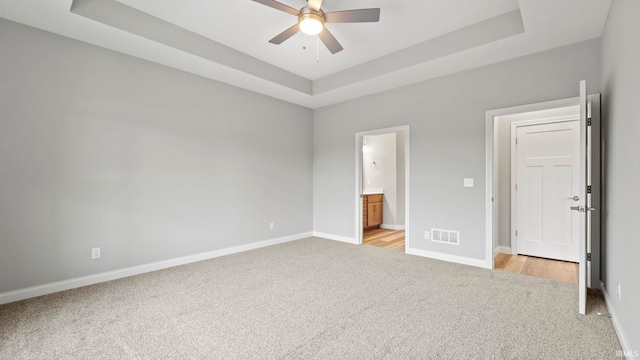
95,253
468,182
427,235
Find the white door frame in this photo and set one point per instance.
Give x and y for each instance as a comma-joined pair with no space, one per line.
593,267
491,235
514,127
358,188
491,186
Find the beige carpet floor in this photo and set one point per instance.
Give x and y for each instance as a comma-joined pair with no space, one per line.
312,299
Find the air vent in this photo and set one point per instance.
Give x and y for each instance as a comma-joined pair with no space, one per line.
445,236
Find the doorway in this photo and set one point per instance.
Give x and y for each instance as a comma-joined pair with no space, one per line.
502,209
382,187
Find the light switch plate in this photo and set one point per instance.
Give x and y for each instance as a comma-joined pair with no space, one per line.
468,182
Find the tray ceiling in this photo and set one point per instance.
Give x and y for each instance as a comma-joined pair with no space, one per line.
227,40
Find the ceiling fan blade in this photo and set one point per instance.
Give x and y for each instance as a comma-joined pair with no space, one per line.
353,16
314,4
279,6
329,41
280,38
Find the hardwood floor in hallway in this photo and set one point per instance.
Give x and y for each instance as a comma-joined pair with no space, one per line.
390,239
529,265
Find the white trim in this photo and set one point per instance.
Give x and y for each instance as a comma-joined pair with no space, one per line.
490,237
58,286
514,165
340,238
501,249
622,337
358,188
582,239
447,257
495,201
392,227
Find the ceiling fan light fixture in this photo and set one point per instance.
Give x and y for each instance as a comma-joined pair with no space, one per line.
311,24
311,19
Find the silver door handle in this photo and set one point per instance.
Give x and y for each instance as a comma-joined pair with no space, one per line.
591,209
578,208
575,198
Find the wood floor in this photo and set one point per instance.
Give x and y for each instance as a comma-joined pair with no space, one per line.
527,265
546,268
390,239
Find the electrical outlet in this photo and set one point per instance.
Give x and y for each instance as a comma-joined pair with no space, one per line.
272,225
468,182
619,292
427,235
95,253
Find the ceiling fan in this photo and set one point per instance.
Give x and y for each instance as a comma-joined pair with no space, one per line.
311,20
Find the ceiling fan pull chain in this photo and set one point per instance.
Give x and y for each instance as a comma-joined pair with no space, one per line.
304,42
317,49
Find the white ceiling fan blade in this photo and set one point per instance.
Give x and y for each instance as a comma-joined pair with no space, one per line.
314,4
280,38
353,16
279,6
330,41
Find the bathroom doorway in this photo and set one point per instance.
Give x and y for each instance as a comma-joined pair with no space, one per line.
382,187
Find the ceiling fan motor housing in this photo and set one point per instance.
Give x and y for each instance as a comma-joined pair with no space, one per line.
308,14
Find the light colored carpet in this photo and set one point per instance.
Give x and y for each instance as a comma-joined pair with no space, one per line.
311,299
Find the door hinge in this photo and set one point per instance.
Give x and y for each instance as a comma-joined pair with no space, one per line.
588,189
516,187
516,232
516,141
588,256
588,121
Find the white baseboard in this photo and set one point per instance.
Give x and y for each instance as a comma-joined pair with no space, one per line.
392,227
50,288
345,239
501,249
624,341
449,258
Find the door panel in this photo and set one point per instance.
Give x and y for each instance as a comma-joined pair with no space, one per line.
581,208
534,200
375,214
547,177
563,184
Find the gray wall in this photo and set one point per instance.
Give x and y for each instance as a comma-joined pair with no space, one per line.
99,149
621,128
447,120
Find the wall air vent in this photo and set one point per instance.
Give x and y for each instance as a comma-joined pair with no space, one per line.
445,236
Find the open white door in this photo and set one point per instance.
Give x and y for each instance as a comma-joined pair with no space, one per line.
547,168
584,206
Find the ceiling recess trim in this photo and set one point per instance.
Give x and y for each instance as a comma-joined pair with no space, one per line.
126,18
123,17
494,29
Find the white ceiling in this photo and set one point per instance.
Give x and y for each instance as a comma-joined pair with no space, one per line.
415,40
